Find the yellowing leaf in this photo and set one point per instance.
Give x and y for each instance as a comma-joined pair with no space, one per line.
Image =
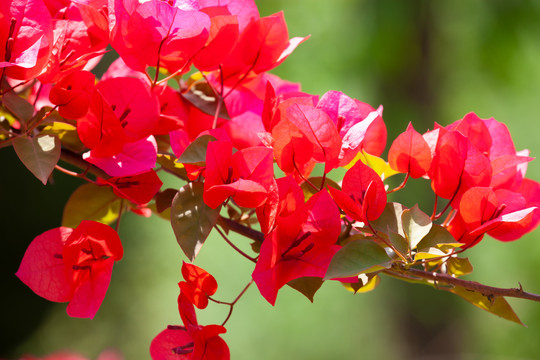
91,202
380,166
496,305
366,283
66,133
416,225
169,163
459,266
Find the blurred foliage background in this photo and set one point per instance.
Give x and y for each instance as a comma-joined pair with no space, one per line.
425,61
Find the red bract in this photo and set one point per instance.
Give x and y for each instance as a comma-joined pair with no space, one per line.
135,106
73,94
262,45
302,244
154,33
80,35
223,36
74,265
245,176
483,210
457,166
25,38
199,285
359,125
410,153
191,341
100,130
136,157
363,197
139,189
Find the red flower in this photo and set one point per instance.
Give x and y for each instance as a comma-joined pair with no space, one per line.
246,175
74,265
191,341
199,285
302,244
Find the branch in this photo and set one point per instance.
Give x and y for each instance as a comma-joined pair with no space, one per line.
467,284
241,229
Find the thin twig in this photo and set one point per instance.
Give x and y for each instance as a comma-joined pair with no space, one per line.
234,246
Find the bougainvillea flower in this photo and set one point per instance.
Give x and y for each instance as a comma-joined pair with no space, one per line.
482,210
457,165
410,153
284,199
139,189
73,94
359,125
100,130
191,341
221,40
363,196
246,175
302,244
80,35
244,10
262,45
25,38
156,33
136,157
74,265
198,285
135,106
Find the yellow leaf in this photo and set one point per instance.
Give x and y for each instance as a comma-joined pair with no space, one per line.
380,166
91,202
66,133
366,283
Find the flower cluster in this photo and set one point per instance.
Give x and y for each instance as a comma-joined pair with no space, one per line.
223,128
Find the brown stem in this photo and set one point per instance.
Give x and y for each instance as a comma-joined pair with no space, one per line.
467,284
234,246
241,229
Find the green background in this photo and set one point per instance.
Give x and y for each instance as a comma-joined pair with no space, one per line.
426,62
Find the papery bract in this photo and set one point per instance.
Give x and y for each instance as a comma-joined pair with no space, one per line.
139,189
136,157
363,196
410,153
155,33
73,94
302,244
198,285
245,175
74,265
25,38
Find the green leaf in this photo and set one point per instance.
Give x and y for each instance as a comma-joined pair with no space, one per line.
390,219
399,243
18,106
308,286
195,153
39,154
416,225
459,266
496,305
191,219
437,237
91,202
357,257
